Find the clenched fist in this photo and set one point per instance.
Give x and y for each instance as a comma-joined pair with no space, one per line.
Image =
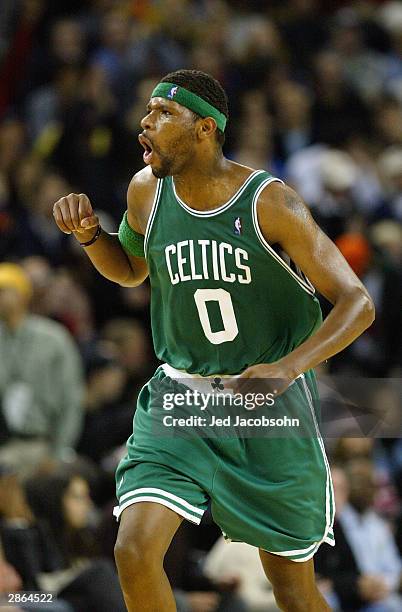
74,213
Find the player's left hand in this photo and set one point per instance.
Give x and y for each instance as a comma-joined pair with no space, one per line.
264,378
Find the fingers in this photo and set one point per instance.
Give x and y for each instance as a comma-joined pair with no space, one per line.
74,213
239,383
89,222
58,217
73,208
251,382
66,215
84,208
86,216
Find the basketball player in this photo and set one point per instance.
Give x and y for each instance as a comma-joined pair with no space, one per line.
224,302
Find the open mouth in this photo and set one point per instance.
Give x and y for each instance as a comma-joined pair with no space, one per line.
148,151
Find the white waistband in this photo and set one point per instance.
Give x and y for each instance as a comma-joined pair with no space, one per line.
177,374
202,384
174,373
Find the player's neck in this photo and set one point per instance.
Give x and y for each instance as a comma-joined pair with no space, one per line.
205,184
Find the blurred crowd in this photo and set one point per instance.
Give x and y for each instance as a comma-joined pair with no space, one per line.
315,97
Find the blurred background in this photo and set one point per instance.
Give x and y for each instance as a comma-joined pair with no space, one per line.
315,97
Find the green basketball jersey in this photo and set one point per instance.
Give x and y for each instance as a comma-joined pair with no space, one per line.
222,298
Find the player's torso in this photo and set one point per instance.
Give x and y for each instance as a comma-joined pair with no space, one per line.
222,299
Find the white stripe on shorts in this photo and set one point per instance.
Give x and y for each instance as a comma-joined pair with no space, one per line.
158,500
175,498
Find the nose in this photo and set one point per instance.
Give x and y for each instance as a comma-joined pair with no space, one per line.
146,122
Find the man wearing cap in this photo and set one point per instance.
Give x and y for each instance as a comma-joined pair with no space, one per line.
40,380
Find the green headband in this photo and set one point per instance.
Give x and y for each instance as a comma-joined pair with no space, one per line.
190,100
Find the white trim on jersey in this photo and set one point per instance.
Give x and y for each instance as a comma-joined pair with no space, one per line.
223,207
152,214
305,284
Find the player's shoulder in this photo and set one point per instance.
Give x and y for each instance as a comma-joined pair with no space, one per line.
141,190
140,196
281,210
143,182
278,193
278,198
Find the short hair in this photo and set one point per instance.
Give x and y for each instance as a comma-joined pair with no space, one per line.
205,86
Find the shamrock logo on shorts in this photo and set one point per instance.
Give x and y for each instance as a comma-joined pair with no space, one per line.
217,385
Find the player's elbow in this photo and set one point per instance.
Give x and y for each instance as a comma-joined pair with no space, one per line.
131,281
367,308
370,308
134,277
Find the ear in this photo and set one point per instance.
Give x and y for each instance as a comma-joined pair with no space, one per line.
207,128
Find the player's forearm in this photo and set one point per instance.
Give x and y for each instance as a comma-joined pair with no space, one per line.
109,258
350,316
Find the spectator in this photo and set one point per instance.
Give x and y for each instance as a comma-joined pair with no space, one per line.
26,547
108,418
44,108
64,46
240,564
388,122
12,144
337,205
88,581
10,581
37,231
365,566
364,67
347,449
305,34
128,341
293,130
390,165
334,98
40,380
114,53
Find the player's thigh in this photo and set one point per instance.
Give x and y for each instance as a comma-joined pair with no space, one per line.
147,528
284,573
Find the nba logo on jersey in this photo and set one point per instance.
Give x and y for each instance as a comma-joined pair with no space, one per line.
172,92
237,226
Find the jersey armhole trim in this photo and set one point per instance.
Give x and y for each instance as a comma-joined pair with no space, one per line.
307,286
152,214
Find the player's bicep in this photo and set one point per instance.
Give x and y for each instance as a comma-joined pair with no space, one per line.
323,264
286,220
138,264
133,221
132,238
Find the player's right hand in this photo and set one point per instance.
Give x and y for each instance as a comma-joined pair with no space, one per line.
74,213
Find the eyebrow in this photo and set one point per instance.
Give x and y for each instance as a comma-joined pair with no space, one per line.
159,105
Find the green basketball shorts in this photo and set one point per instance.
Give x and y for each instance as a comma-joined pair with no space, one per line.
271,492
